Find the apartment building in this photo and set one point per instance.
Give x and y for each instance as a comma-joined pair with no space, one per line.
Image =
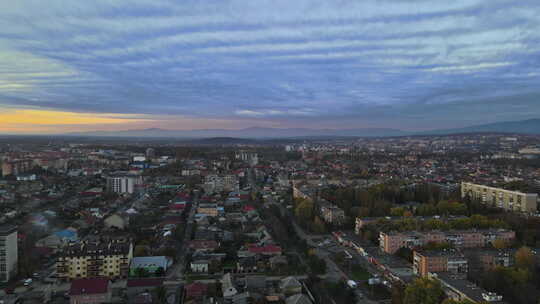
216,183
458,288
390,242
8,253
123,183
96,258
252,158
449,260
501,198
484,259
16,167
332,214
208,209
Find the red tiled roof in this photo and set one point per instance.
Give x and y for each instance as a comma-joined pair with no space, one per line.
265,249
247,208
144,282
196,290
89,286
177,206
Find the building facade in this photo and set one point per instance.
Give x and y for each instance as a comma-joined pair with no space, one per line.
451,261
91,259
333,214
123,183
217,183
8,253
501,198
390,242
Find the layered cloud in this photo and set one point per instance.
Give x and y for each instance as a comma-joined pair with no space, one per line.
406,64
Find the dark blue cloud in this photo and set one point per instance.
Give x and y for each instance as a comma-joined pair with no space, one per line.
334,63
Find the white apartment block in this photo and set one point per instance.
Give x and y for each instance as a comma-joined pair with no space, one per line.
123,183
8,253
497,197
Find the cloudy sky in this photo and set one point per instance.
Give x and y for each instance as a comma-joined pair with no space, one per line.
69,65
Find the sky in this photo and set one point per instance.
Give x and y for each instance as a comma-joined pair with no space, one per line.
68,65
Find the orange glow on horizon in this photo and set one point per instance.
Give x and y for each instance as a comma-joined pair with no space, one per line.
26,120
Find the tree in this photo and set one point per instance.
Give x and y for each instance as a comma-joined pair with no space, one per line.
304,210
140,250
500,244
424,291
160,272
161,294
318,225
525,258
141,272
398,293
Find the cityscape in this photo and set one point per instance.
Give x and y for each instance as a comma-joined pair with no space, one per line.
269,152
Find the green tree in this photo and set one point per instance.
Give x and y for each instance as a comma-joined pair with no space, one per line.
140,250
304,210
424,291
141,272
398,293
160,272
161,294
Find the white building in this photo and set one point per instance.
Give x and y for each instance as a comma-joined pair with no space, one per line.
124,183
8,253
215,183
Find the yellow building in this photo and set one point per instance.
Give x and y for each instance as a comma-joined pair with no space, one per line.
497,197
96,258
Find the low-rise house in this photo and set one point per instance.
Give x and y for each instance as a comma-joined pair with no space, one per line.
203,245
247,264
116,221
135,287
265,250
90,291
150,264
278,261
195,290
200,266
290,286
227,287
298,299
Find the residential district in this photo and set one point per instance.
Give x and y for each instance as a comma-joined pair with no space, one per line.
424,219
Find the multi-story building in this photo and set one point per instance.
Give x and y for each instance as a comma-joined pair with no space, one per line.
501,198
123,183
96,258
450,260
252,158
487,259
208,209
217,183
150,153
8,253
460,289
16,167
390,242
332,214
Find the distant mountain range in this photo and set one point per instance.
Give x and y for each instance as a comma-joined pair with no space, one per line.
531,126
